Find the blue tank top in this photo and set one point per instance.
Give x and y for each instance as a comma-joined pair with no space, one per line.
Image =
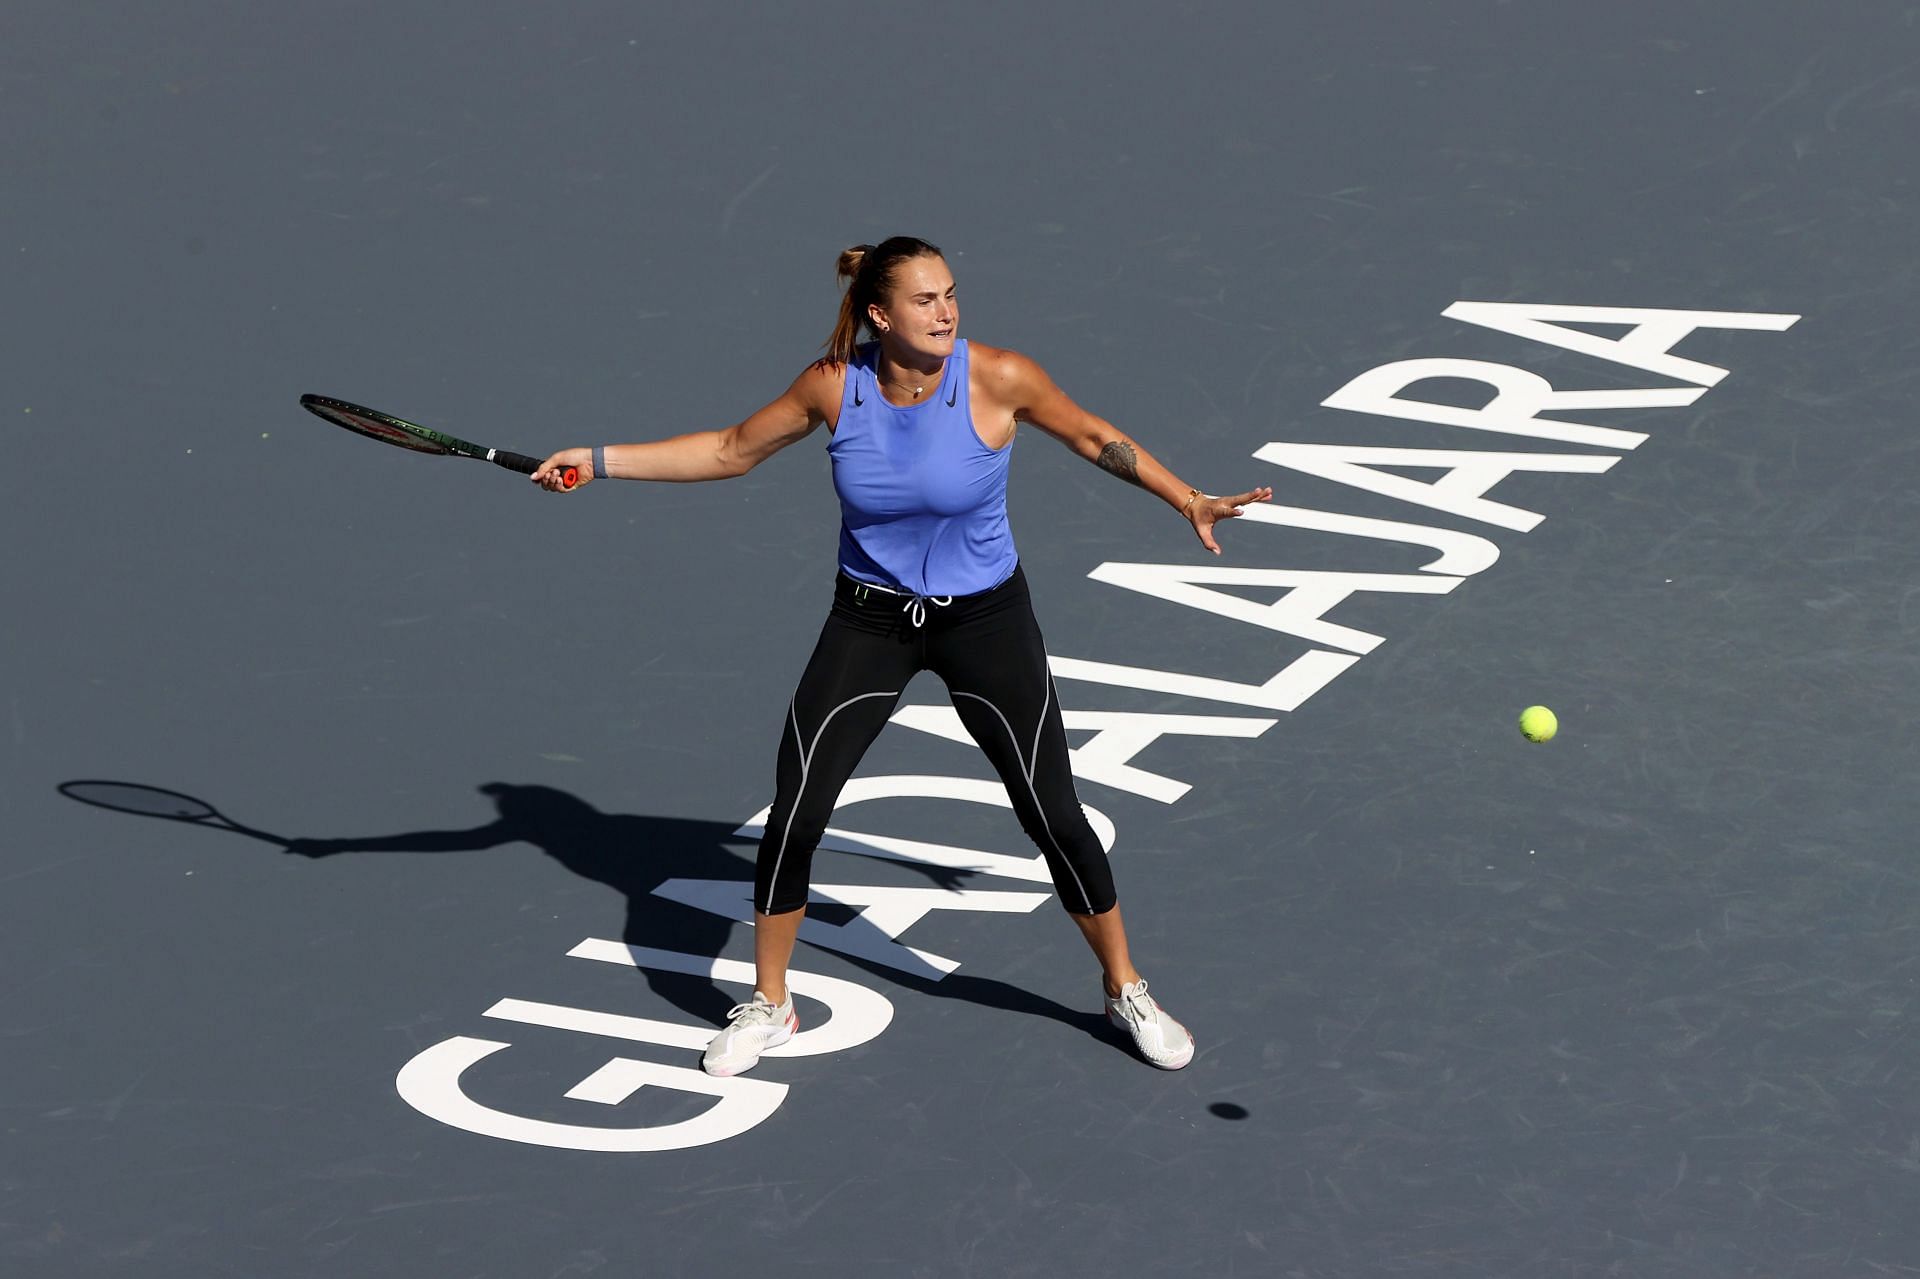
923,500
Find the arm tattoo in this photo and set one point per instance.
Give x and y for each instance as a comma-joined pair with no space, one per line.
1118,458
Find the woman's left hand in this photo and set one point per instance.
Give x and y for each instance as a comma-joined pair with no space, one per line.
1207,511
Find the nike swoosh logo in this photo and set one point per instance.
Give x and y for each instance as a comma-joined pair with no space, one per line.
857,401
952,399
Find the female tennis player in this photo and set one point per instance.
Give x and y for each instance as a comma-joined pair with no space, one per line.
922,422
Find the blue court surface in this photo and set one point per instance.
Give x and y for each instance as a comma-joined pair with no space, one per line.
1576,341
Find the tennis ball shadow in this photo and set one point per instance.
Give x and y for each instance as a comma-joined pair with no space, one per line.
1227,1110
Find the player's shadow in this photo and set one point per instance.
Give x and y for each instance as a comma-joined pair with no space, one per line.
634,854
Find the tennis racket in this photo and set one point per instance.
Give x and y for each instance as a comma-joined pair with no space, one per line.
409,435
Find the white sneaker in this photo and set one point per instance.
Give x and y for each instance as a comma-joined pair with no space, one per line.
752,1028
1163,1041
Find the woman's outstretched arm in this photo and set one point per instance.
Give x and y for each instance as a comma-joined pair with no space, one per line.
708,455
1019,385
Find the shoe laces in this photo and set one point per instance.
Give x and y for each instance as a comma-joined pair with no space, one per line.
758,1011
1138,1004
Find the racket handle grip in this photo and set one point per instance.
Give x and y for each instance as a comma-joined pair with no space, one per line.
528,465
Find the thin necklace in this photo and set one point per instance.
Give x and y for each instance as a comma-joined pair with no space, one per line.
918,390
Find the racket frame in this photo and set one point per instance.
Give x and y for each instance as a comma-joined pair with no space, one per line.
397,431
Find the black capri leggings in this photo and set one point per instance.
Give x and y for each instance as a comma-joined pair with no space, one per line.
987,647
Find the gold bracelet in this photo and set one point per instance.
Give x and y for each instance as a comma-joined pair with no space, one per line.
1188,504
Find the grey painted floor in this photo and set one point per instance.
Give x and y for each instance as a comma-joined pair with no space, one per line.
1638,1001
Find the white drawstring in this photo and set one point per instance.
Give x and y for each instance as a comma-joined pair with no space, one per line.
915,607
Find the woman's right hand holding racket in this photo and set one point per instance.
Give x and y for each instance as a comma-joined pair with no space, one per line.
553,473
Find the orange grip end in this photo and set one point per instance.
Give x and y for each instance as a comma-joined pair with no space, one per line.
569,477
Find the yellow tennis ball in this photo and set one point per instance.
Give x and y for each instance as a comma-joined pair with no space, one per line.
1538,724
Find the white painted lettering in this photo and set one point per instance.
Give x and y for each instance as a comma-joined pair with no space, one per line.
1289,690
1519,398
871,934
1460,492
914,786
430,1083
1646,346
1118,737
1301,611
1461,554
855,1014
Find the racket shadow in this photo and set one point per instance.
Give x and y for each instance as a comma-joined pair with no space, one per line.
633,854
